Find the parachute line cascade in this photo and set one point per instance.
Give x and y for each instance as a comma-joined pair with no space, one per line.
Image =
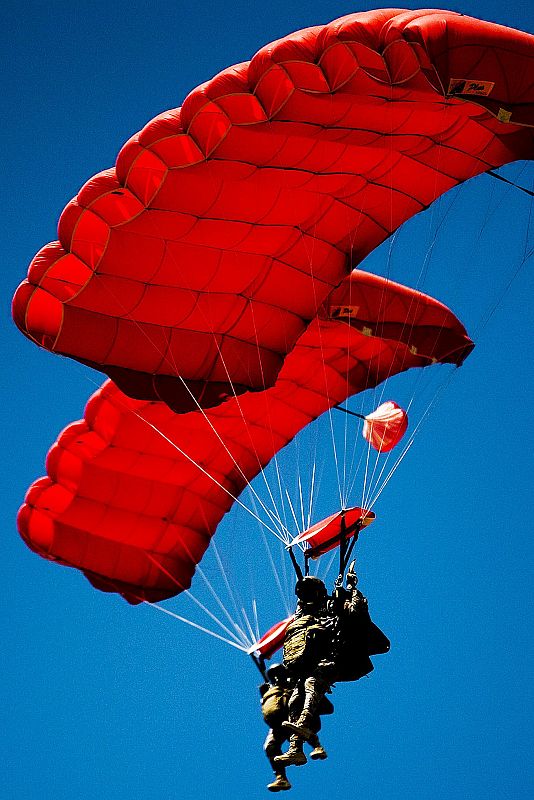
214,276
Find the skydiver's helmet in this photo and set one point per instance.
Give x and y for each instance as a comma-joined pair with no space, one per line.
276,674
311,591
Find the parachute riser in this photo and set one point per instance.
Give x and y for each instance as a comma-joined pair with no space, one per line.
325,546
260,663
345,549
296,565
349,552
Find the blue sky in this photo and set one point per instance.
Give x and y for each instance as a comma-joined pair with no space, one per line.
102,699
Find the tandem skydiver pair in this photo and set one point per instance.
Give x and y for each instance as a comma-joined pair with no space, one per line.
329,639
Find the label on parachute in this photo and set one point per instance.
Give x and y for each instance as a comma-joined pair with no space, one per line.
464,86
327,534
343,312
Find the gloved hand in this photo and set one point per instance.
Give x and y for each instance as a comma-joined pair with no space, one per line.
352,578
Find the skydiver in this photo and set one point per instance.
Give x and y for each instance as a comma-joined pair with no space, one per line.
274,707
275,697
330,640
308,647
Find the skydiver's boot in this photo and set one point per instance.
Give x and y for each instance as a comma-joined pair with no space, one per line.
318,753
273,748
294,757
300,729
315,689
280,784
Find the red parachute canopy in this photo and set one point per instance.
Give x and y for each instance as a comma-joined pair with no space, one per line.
327,534
194,266
206,263
134,491
385,427
271,641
